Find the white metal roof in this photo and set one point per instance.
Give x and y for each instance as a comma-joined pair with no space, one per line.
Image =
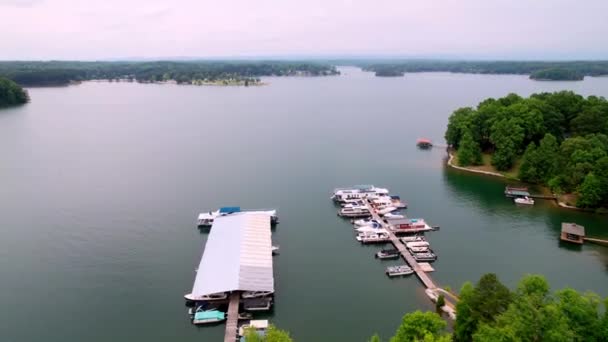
237,256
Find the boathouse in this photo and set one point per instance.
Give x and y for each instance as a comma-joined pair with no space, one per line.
237,256
572,232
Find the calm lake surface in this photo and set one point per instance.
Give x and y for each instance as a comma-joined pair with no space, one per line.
101,184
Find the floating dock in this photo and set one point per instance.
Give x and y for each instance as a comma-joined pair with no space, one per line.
232,319
431,288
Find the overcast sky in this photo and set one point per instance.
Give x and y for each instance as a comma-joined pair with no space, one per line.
102,29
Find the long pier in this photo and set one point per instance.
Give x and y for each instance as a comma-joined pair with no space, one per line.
449,307
233,317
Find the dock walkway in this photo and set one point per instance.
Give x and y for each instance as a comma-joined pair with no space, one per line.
450,307
426,280
233,317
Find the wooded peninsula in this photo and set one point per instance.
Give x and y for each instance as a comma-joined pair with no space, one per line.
559,140
54,73
567,70
11,94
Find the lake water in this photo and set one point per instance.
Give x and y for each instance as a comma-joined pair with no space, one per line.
101,184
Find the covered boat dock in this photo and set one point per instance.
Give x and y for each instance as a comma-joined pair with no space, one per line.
237,257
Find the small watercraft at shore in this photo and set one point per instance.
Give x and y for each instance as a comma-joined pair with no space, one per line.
524,200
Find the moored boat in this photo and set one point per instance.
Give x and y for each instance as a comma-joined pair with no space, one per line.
401,270
412,238
387,254
524,200
354,212
207,297
275,250
373,238
257,304
424,257
211,316
255,294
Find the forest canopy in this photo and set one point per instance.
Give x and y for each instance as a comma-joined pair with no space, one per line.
184,72
561,140
537,69
11,94
489,311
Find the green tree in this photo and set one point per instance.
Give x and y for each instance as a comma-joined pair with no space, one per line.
440,303
581,311
590,192
466,323
507,135
11,94
469,152
591,120
421,326
480,304
273,334
458,123
375,338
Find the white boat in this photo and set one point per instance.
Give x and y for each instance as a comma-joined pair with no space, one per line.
393,216
275,250
417,244
355,205
208,297
357,192
394,271
354,212
412,238
524,200
422,249
364,222
206,219
386,210
258,325
255,294
424,257
370,229
372,238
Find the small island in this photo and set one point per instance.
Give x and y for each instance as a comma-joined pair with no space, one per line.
557,74
217,73
557,140
11,94
538,70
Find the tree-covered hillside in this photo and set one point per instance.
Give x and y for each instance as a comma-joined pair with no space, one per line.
538,69
11,94
192,72
561,139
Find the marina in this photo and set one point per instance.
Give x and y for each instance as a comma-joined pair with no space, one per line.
413,247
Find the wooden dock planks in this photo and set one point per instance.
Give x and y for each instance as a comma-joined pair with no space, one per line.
426,280
233,317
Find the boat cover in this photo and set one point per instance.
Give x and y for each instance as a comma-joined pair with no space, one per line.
208,315
237,255
229,210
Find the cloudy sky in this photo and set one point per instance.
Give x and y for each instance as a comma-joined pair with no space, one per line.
102,29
